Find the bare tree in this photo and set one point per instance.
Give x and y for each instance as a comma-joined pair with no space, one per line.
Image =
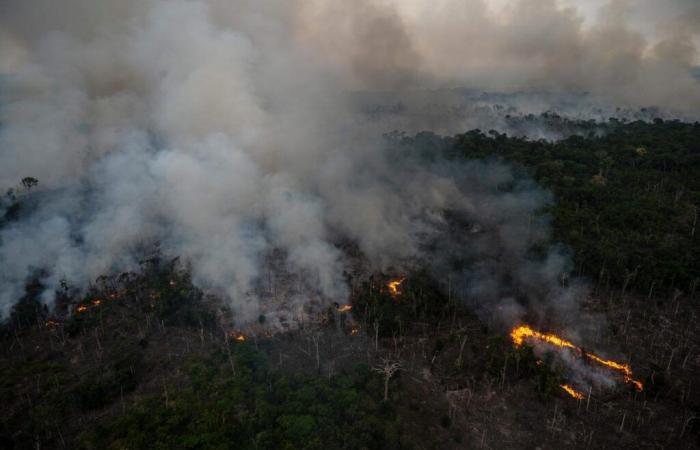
387,368
376,335
315,338
29,183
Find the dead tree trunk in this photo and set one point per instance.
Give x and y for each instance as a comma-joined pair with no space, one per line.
388,368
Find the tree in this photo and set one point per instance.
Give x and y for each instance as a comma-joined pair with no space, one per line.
29,182
388,368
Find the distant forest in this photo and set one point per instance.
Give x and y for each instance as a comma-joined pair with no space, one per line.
626,194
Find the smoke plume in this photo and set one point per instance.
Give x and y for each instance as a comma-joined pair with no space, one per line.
227,130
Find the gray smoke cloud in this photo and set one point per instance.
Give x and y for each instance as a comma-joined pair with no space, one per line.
225,130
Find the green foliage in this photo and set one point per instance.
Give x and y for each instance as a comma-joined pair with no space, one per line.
420,299
547,378
101,387
255,408
627,196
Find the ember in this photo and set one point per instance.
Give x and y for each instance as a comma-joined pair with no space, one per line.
519,334
345,308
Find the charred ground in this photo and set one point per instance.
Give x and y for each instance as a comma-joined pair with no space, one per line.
146,360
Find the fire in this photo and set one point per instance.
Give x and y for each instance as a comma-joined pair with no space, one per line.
393,286
238,336
571,391
354,331
85,307
345,308
624,368
519,334
116,294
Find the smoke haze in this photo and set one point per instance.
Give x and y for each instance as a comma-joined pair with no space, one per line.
225,130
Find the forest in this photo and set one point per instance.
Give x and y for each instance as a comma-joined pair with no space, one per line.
145,360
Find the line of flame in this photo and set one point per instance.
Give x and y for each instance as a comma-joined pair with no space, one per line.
519,334
571,391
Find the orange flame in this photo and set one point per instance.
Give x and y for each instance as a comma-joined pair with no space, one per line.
393,286
345,308
240,337
571,391
116,294
519,334
624,368
81,308
354,331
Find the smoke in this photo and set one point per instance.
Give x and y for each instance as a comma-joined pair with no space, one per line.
227,130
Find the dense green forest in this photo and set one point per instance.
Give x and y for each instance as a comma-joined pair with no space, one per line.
626,195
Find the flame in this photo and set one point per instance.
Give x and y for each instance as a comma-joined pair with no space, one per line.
345,308
238,336
393,286
624,368
571,391
354,331
96,302
116,294
519,334
81,308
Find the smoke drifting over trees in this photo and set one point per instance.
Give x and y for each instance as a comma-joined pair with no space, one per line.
224,130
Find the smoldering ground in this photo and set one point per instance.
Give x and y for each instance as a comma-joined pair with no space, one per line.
224,130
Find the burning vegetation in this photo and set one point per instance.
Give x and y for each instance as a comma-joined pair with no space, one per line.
159,355
394,286
240,337
522,333
344,308
572,392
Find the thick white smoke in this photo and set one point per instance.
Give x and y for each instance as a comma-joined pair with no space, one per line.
225,130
